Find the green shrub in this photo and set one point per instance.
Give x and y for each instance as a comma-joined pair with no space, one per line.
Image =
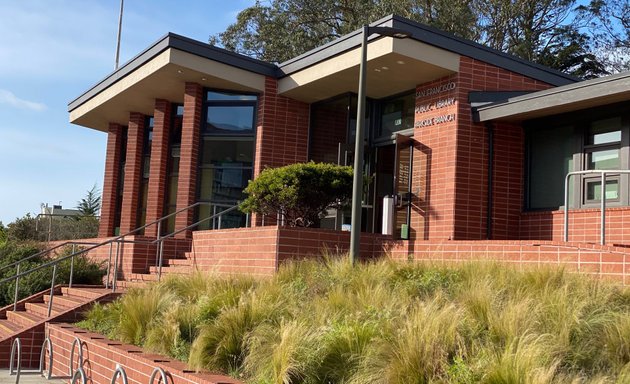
301,193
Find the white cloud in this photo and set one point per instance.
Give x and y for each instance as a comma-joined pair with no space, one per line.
7,97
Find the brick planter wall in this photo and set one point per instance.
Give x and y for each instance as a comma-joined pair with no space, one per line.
101,356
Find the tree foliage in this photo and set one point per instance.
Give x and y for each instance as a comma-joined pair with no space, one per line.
300,193
43,228
535,30
90,205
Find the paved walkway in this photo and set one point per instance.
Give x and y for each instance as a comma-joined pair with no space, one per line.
27,378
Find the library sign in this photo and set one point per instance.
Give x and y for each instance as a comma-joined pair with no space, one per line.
440,103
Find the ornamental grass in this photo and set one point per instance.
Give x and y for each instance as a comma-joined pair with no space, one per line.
326,321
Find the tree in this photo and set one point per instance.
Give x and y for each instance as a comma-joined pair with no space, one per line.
300,193
535,30
3,233
90,205
609,23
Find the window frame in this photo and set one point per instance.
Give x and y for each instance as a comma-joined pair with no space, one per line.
581,121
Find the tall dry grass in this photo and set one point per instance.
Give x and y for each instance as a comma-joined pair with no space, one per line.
326,321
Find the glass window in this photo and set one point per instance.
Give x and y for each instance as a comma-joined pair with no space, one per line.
223,184
230,152
605,131
227,96
397,114
604,159
550,159
230,119
594,190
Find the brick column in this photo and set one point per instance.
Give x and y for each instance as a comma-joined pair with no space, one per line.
133,173
159,162
110,181
188,161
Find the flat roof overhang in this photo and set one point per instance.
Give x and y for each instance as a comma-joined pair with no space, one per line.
563,99
161,72
393,66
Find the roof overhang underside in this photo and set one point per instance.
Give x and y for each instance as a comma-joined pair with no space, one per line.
568,98
393,66
162,77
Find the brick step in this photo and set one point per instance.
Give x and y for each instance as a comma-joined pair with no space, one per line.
178,269
173,262
41,309
8,328
23,318
146,277
126,284
84,292
68,301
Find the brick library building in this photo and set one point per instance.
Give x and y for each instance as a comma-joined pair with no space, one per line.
470,152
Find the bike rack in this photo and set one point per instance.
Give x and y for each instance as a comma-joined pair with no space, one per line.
119,372
80,353
47,343
163,376
79,373
17,344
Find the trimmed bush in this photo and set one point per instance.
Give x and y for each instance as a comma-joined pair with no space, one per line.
300,193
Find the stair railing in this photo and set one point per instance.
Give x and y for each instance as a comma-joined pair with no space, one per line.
16,345
118,240
47,343
602,174
160,240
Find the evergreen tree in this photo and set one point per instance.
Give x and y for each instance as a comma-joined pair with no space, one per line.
90,205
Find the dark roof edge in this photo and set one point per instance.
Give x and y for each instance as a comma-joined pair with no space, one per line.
172,40
558,90
437,38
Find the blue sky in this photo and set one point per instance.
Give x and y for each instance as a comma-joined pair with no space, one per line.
52,51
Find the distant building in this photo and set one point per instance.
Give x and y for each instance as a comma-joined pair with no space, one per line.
58,210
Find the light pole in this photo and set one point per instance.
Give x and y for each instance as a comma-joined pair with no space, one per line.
357,181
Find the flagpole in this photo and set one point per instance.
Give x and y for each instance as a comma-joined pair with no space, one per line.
119,32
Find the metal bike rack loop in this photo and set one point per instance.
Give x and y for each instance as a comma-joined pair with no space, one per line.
159,370
47,343
74,344
79,373
17,344
119,372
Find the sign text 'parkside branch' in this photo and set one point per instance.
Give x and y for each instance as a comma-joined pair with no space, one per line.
436,105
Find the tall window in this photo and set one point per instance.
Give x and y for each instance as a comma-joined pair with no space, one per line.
396,114
121,180
226,155
591,141
172,170
146,166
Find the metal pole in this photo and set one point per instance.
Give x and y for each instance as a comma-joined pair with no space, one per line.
357,183
116,266
52,289
71,266
17,283
157,238
160,260
109,265
122,2
566,207
602,239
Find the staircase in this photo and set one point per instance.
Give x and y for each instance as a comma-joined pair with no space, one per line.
27,321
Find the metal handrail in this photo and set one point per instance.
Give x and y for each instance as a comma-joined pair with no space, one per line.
45,251
603,173
118,239
161,239
16,344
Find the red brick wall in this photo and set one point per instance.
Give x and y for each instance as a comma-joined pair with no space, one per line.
451,159
282,129
133,173
159,161
110,182
101,356
188,162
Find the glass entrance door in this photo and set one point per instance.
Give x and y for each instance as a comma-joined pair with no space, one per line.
402,186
